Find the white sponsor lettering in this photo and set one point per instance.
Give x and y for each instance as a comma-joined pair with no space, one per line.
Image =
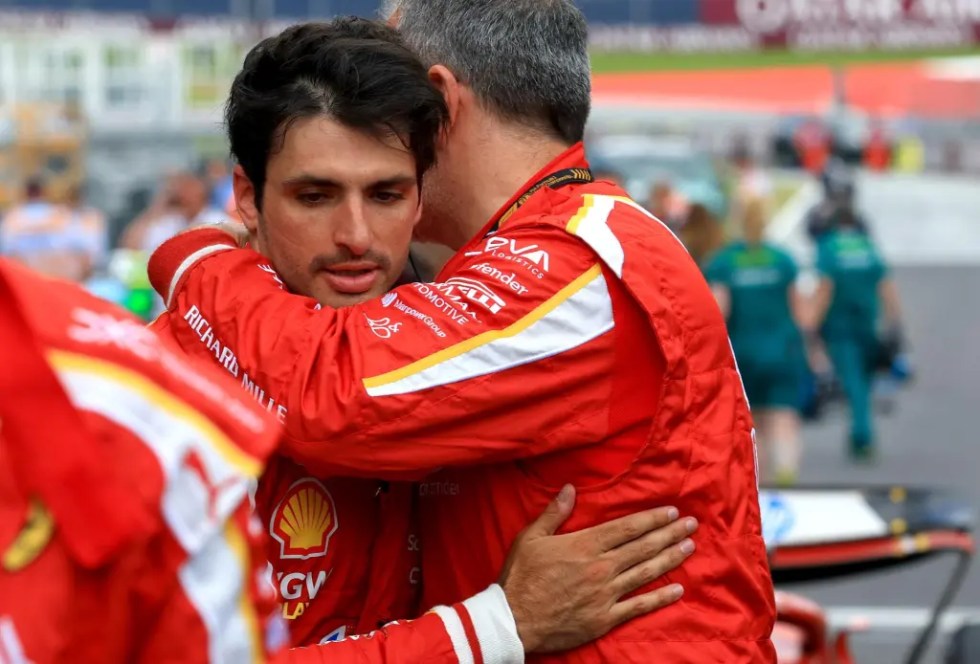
106,330
268,270
383,327
477,292
894,36
510,280
291,586
227,358
457,311
777,15
392,299
259,395
202,328
91,327
531,257
684,38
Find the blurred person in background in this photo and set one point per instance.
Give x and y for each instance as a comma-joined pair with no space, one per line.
52,239
182,201
814,144
583,286
755,285
909,151
609,175
878,148
856,310
839,194
92,226
667,205
752,182
701,233
218,177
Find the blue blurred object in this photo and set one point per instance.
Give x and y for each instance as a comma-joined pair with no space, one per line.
126,284
657,12
902,369
675,12
150,7
108,288
818,391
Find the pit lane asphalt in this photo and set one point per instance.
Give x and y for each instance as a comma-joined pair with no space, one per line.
929,228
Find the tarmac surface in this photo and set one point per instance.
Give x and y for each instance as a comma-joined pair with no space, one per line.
929,228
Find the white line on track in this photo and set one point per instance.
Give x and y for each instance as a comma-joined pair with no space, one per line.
786,227
899,618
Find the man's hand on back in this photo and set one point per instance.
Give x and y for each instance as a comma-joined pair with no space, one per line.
567,590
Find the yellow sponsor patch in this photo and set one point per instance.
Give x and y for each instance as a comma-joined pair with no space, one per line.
32,539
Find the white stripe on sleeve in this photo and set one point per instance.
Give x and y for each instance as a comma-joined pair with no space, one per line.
457,635
189,262
495,627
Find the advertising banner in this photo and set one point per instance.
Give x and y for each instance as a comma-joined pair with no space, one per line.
813,25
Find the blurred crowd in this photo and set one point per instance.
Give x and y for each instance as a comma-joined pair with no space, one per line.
808,337
801,344
70,239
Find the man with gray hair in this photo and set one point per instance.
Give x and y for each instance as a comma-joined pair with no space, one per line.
569,338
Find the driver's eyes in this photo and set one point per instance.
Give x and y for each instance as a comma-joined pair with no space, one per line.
311,198
388,196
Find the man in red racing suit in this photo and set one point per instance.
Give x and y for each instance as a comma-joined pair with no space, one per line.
125,533
573,317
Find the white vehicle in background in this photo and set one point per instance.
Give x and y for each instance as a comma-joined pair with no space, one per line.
818,533
644,161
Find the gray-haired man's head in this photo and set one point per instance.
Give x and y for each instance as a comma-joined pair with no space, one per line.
525,60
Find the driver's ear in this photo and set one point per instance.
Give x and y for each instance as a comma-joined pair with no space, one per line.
245,202
447,83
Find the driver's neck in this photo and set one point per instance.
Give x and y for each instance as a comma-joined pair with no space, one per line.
499,165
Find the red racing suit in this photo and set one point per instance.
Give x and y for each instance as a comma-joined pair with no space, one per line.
125,535
573,340
344,551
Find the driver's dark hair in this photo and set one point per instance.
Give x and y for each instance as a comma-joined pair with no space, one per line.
355,71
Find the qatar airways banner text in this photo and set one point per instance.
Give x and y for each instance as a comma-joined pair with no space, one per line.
736,25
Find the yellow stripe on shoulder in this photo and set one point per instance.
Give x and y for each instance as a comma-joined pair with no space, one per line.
582,213
473,343
64,361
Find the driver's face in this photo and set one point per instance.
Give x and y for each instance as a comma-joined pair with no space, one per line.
338,210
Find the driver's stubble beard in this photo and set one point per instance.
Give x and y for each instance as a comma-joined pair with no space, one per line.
320,261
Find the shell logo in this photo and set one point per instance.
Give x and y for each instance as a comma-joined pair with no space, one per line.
304,521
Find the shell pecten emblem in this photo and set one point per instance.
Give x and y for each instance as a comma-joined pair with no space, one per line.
304,521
